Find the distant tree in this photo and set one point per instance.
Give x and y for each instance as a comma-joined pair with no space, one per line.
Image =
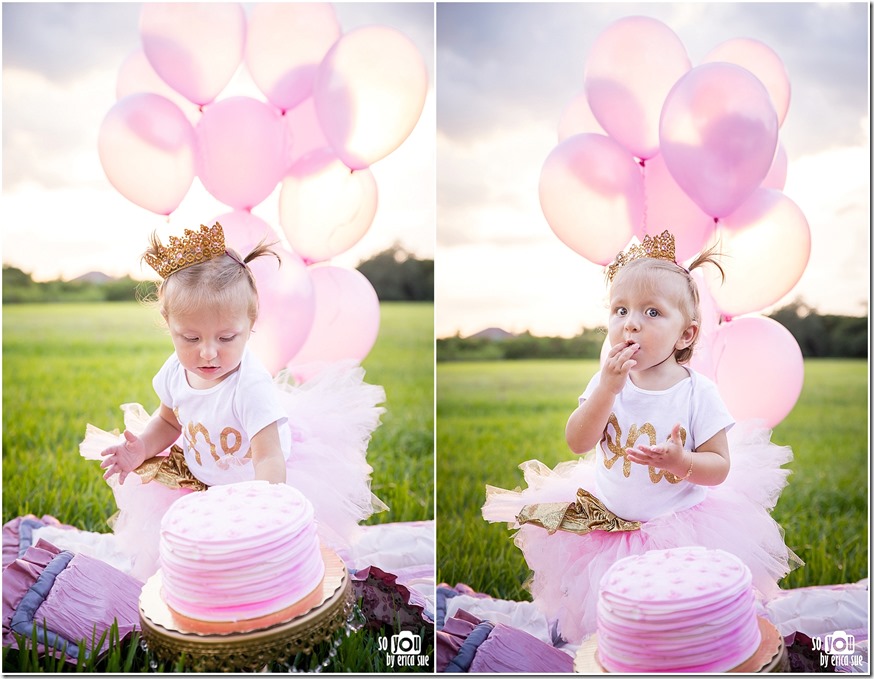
20,288
15,277
397,275
820,336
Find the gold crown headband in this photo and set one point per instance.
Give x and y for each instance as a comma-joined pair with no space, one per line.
195,247
652,247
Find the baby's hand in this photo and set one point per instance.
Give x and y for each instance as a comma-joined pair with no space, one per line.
669,455
617,365
123,458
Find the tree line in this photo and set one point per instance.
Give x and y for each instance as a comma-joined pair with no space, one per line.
395,274
818,336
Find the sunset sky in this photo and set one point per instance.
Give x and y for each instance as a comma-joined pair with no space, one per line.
500,76
62,217
505,73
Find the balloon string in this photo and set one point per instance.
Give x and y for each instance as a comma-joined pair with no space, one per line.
645,199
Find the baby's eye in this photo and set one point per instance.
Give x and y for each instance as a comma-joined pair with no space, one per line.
620,311
191,339
229,338
652,313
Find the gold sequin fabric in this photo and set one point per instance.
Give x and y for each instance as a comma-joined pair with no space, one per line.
171,471
586,514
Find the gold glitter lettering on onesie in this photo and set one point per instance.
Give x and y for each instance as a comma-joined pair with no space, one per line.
227,432
656,475
238,440
614,445
191,437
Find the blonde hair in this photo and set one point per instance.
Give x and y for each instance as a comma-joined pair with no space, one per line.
689,301
225,281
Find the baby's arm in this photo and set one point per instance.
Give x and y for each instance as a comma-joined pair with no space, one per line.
160,433
585,426
709,462
267,455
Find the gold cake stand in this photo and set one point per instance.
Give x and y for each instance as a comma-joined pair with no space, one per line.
770,656
167,637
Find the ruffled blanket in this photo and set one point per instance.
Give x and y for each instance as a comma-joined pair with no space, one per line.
73,584
476,633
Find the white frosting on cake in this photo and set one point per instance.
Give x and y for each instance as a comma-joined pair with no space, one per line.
239,551
687,609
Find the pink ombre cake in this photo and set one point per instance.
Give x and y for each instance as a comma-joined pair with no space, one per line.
687,609
239,552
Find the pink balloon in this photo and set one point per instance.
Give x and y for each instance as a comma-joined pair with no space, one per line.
242,150
137,75
306,133
287,307
709,319
195,47
578,118
631,68
285,293
346,322
369,93
591,193
776,177
718,135
324,207
285,45
146,147
760,369
243,231
762,62
668,207
766,243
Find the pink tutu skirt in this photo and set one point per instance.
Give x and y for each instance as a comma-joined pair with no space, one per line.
332,416
735,517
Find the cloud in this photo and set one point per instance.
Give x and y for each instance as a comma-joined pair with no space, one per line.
524,61
506,72
66,40
60,66
61,62
413,19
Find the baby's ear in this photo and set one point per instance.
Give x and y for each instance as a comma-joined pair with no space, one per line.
690,334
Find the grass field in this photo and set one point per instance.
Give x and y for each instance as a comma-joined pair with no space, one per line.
70,364
491,416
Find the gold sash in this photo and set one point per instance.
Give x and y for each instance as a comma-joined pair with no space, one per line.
586,514
171,471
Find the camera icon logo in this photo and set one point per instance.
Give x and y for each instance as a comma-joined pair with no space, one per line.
405,643
840,643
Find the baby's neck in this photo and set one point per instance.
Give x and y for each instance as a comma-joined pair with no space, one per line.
660,377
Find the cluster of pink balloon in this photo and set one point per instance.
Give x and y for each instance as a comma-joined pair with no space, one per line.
653,143
334,104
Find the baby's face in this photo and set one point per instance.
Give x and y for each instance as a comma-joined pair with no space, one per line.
647,315
209,343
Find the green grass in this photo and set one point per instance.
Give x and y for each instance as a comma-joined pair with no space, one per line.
491,416
67,365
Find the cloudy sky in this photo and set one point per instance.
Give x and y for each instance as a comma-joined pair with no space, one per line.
500,76
505,73
62,217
